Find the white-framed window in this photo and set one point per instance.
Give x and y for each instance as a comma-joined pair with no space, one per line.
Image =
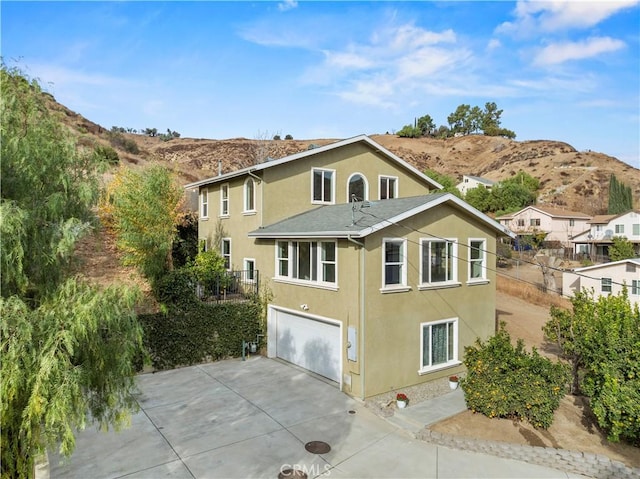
307,261
249,267
572,222
249,195
619,229
357,188
388,187
322,186
438,261
477,259
520,222
438,344
534,222
225,251
224,199
636,229
394,263
635,287
605,285
204,203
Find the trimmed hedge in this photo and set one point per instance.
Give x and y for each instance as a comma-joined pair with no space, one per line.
506,381
201,333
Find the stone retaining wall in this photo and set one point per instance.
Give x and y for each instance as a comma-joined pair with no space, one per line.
584,463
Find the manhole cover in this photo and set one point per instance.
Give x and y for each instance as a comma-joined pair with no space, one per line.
317,447
292,474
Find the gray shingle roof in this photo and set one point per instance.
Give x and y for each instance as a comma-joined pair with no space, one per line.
360,219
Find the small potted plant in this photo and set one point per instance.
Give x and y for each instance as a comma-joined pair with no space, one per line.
453,382
402,400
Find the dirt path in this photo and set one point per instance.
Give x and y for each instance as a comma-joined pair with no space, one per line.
574,428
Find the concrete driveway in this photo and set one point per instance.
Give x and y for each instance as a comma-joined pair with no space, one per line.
244,419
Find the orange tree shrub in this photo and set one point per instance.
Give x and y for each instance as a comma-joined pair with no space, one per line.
506,381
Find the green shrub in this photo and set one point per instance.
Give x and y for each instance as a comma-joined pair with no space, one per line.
118,140
200,332
506,381
107,154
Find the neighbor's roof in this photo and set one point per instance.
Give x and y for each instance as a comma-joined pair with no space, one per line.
549,210
479,179
603,219
314,151
360,219
635,261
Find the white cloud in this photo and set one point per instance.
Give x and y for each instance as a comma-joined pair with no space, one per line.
562,52
287,5
535,16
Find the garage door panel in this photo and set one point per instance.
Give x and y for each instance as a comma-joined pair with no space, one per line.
310,343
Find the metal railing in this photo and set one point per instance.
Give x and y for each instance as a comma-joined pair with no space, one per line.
234,286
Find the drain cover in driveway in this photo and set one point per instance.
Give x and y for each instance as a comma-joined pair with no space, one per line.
292,474
317,447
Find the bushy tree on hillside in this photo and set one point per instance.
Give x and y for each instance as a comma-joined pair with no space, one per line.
448,183
67,348
479,197
621,248
620,198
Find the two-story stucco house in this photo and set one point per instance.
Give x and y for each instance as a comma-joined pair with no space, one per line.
605,279
470,182
557,224
598,236
377,280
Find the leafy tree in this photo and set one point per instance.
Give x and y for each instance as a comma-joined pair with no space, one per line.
620,198
601,340
67,348
426,125
288,137
409,131
524,179
151,131
443,132
277,137
621,248
459,120
490,118
508,197
480,198
448,183
143,208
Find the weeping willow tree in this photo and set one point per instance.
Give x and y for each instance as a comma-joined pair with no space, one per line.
67,348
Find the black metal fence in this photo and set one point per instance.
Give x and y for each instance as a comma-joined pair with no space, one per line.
234,286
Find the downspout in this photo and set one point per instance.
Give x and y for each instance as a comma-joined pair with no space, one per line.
362,313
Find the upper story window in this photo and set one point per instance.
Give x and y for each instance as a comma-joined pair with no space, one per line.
438,261
388,187
534,222
307,261
598,227
635,286
477,259
224,199
520,222
572,222
249,195
204,203
357,188
225,251
438,344
605,285
636,229
323,184
394,263
619,229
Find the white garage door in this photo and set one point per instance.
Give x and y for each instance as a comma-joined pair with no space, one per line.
308,342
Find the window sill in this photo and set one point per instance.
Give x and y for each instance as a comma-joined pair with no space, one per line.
424,287
204,218
249,213
310,284
316,202
223,217
474,282
398,289
439,367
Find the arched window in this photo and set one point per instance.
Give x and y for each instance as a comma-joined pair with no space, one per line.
249,195
357,188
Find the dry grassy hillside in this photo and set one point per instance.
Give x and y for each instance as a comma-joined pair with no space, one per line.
570,179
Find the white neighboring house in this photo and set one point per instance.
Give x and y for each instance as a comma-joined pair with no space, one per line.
595,241
559,225
606,278
470,182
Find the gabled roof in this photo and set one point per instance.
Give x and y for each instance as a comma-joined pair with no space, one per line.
548,210
479,179
358,220
604,219
635,261
314,151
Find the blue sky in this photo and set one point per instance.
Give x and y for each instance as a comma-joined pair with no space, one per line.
562,70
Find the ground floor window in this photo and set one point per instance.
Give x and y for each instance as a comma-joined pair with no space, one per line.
439,343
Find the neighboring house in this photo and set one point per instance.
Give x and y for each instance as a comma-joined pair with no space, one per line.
375,294
556,224
606,278
470,182
596,239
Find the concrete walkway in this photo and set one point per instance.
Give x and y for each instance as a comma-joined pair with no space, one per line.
244,419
